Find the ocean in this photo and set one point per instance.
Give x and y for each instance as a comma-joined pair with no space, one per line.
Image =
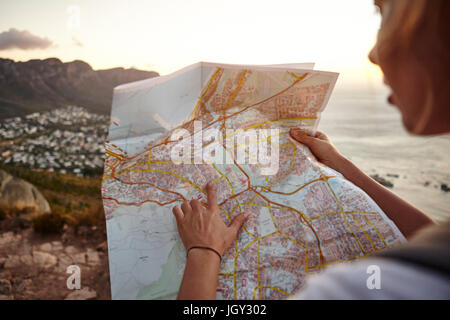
369,131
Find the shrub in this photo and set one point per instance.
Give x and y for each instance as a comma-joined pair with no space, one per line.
7,212
23,211
4,212
49,223
89,217
56,201
61,183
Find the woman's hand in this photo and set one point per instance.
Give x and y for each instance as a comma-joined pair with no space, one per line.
200,226
322,148
407,218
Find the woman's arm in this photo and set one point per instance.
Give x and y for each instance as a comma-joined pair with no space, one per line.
200,276
201,226
408,218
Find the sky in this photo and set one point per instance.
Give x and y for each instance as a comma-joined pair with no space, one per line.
166,35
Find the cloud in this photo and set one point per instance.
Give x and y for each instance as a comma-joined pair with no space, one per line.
25,40
77,42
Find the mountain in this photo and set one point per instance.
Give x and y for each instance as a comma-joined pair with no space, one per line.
39,85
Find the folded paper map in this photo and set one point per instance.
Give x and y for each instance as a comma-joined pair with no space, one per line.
229,125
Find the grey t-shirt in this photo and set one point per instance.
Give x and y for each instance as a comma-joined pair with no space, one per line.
377,278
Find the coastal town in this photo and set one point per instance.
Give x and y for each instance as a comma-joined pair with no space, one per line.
65,140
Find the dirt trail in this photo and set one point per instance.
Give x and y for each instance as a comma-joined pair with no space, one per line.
34,266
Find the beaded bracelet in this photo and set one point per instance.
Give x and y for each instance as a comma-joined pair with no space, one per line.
207,248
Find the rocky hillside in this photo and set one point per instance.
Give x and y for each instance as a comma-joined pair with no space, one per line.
38,85
37,248
34,266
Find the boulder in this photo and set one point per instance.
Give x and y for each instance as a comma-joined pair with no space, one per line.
44,260
57,245
382,181
46,247
93,257
70,250
19,194
79,258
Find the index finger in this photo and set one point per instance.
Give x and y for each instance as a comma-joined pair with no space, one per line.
211,193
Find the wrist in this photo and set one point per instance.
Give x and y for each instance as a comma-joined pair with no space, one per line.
203,255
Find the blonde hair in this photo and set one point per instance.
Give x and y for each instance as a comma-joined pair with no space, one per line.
422,27
415,16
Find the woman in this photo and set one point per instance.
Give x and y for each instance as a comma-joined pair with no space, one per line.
413,52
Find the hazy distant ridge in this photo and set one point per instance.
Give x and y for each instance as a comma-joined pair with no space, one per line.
38,85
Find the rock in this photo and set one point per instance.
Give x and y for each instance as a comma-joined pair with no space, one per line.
27,259
79,258
93,258
444,187
102,247
83,294
392,175
70,250
382,181
19,194
84,231
5,275
23,248
47,247
68,233
5,297
5,287
2,262
57,245
14,261
9,238
63,262
44,260
23,285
